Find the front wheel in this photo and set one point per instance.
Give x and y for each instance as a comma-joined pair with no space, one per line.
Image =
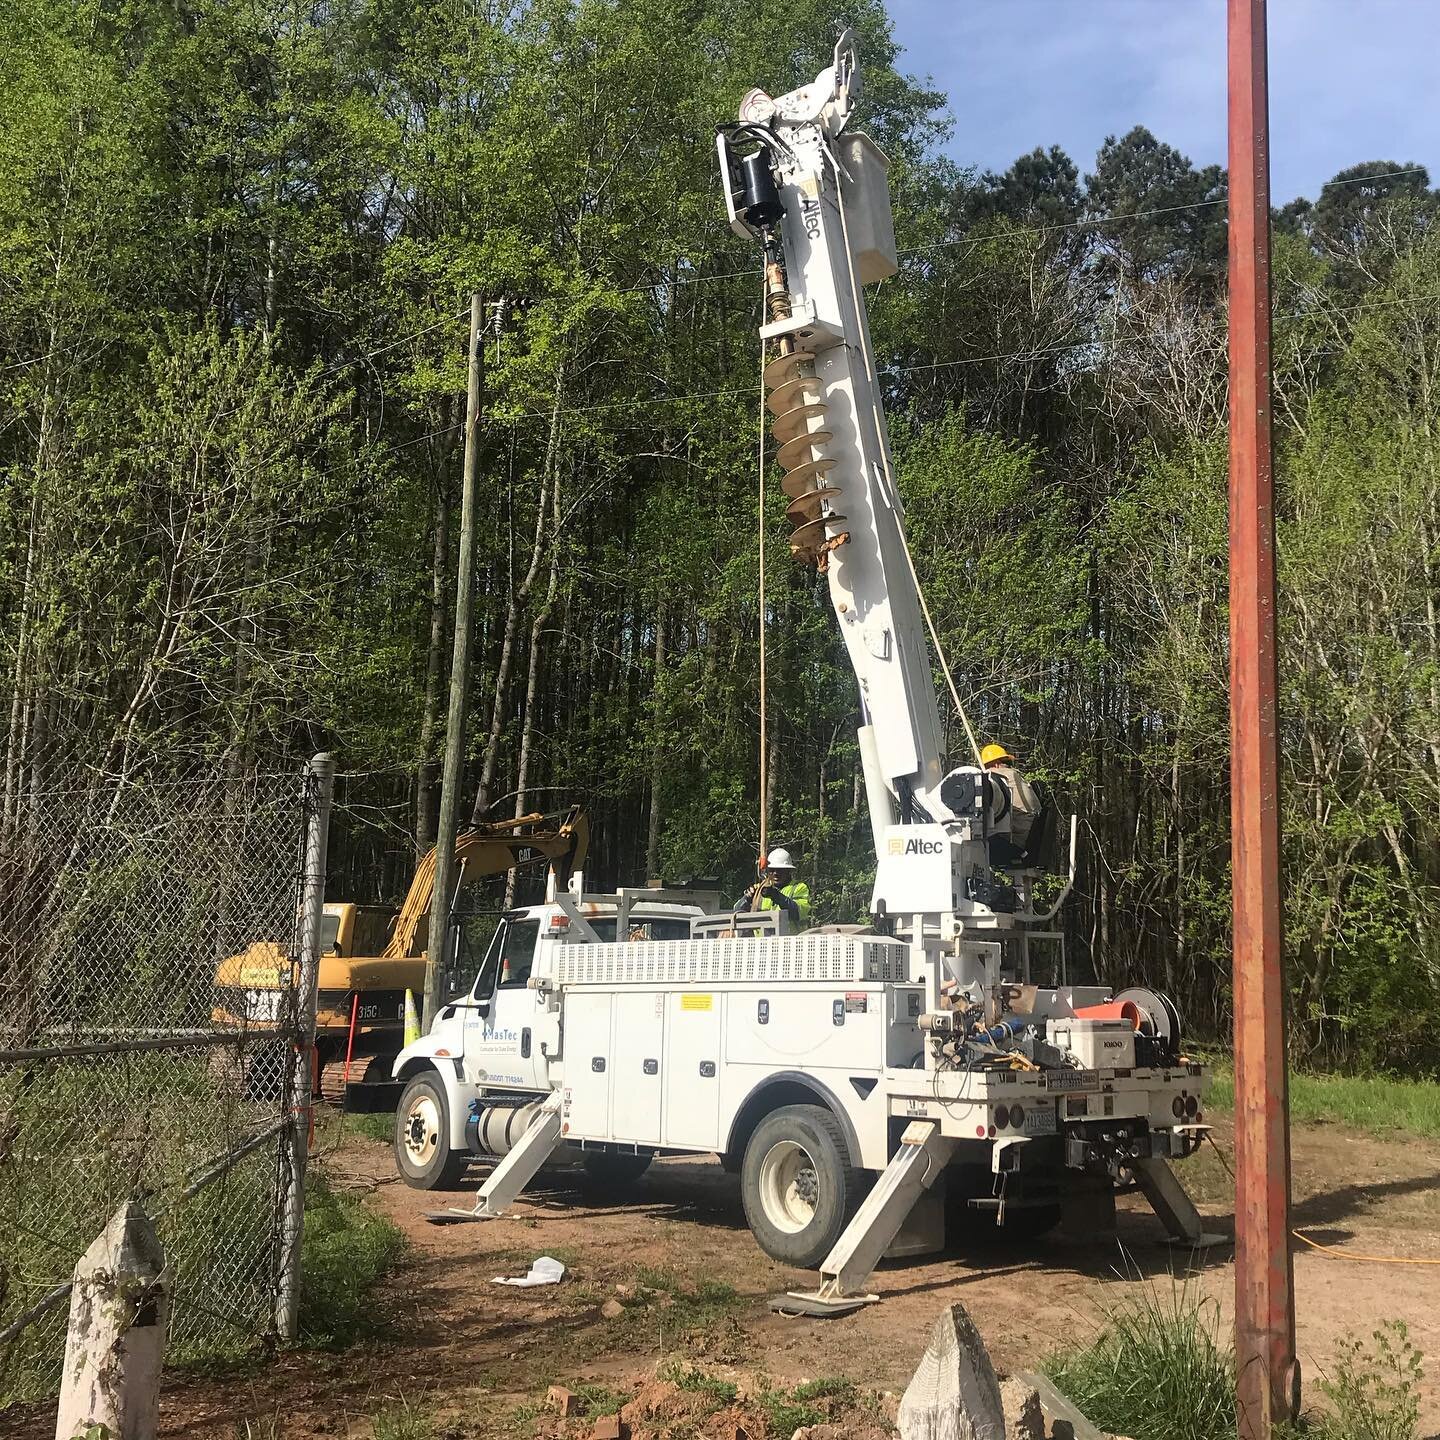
797,1185
422,1137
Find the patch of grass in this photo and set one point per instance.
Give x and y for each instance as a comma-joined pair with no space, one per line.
1158,1370
597,1399
370,1127
1373,1391
666,1307
347,1250
784,1414
403,1421
1375,1103
827,1388
694,1380
810,1403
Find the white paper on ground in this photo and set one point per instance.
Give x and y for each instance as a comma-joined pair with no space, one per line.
545,1271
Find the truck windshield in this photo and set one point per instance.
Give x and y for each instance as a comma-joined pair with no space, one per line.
669,927
329,934
509,947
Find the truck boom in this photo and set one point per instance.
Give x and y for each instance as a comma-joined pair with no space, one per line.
919,1050
815,196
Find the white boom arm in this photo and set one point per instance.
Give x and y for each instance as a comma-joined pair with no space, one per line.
818,200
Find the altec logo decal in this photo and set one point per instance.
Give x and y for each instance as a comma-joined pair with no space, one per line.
914,847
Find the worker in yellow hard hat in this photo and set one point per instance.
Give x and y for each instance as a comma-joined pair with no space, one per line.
1025,805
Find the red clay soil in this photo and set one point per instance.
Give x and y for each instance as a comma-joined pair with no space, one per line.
640,1294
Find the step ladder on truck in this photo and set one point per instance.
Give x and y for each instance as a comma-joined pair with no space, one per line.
862,1082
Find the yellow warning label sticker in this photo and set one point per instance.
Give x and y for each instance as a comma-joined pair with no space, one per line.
697,1002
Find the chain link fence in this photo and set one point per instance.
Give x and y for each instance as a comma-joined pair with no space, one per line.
150,1004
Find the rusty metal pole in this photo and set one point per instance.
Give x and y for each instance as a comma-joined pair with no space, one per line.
1268,1374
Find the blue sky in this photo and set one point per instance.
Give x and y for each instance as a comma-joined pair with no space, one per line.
1350,80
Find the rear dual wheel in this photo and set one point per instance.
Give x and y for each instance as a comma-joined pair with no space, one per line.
797,1184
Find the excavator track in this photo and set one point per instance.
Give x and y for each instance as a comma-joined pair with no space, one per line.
332,1082
362,1067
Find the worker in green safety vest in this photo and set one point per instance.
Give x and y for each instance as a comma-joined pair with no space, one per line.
778,889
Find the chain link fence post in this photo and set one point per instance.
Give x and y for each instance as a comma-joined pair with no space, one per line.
319,790
150,1013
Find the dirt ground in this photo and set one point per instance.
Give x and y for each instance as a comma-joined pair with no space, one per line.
478,1351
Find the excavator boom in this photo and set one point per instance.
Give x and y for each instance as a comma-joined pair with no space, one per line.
492,849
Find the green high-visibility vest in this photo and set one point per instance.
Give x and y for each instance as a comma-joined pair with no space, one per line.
799,892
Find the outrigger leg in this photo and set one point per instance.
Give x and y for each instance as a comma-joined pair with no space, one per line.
918,1163
1175,1208
514,1172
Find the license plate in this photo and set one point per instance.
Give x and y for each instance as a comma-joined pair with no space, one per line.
262,1004
1072,1080
1040,1122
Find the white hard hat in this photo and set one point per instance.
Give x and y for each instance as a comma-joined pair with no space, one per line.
779,860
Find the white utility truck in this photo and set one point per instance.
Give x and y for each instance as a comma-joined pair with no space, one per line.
852,1076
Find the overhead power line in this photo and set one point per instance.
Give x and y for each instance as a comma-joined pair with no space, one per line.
1031,353
963,240
1093,221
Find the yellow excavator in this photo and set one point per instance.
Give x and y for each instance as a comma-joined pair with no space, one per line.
371,955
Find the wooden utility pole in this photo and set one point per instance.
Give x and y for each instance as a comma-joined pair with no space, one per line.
453,768
1268,1375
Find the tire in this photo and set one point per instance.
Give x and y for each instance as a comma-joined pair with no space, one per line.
797,1184
612,1171
422,1137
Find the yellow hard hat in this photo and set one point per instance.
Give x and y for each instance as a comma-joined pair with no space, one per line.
991,753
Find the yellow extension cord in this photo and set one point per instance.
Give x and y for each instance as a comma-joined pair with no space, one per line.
1333,1251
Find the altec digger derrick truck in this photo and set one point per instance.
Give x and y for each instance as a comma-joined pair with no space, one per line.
852,1077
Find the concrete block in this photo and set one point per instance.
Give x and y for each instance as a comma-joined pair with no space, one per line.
1024,1419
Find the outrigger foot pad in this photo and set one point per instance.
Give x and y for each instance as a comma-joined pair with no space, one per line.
822,1307
1206,1240
456,1217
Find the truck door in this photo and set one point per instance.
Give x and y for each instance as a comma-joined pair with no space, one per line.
636,1053
500,1046
692,1086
